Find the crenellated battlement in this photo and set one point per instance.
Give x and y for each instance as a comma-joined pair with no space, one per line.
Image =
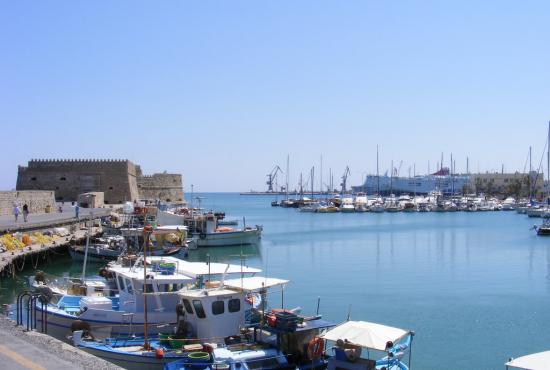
119,179
34,162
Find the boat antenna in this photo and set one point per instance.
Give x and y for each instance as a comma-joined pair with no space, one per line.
349,313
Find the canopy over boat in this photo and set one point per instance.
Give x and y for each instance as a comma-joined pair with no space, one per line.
253,283
204,268
535,361
366,334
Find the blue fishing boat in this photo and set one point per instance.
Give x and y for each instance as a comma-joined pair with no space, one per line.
222,323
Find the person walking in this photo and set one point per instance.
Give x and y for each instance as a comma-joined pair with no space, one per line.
16,212
76,210
25,212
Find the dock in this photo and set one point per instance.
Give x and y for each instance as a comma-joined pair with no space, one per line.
12,261
30,350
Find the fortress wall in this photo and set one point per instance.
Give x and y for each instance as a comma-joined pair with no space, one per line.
163,186
68,178
36,200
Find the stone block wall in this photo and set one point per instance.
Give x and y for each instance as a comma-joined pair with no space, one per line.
68,178
167,187
36,200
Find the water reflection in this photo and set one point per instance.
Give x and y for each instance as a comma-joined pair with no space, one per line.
251,254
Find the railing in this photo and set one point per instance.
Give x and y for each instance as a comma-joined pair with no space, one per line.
31,310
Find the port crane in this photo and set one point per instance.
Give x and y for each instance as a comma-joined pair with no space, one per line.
345,180
272,178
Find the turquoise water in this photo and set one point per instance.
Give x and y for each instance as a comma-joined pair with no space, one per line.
474,286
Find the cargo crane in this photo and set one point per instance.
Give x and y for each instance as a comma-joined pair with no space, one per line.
345,180
272,178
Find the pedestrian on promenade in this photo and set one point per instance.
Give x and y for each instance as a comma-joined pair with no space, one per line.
16,211
25,212
76,210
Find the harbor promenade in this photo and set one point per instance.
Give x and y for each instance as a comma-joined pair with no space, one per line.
14,260
29,350
38,221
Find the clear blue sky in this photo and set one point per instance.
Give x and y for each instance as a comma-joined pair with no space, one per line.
221,91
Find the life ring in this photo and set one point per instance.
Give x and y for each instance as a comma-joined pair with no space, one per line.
315,348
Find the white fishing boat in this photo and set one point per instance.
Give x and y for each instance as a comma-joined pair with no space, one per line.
351,337
115,306
205,231
535,361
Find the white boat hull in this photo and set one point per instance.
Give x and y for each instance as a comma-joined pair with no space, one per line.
230,238
106,324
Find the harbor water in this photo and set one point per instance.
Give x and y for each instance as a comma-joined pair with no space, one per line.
475,287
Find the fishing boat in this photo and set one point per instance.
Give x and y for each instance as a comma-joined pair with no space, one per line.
206,232
544,229
216,325
115,306
535,361
100,249
351,337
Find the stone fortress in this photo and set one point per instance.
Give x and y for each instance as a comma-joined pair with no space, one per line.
119,180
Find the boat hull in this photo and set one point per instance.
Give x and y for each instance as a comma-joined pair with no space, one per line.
105,324
230,238
130,361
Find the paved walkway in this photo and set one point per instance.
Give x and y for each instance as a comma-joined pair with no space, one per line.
36,220
20,350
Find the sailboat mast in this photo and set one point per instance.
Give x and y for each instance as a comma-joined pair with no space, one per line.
391,178
312,177
287,165
548,156
377,174
321,176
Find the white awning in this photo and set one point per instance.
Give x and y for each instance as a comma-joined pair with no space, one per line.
169,229
366,334
203,268
535,361
254,283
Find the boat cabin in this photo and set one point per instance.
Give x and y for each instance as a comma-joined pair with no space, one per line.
221,309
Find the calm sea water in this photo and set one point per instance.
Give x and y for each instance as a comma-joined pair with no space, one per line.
474,286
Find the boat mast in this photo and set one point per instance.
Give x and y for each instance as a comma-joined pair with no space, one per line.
391,179
312,177
452,180
86,250
287,165
377,174
147,230
548,156
321,176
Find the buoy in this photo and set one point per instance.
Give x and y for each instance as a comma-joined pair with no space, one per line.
159,353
